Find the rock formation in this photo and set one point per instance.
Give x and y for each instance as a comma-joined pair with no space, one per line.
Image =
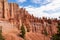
12,17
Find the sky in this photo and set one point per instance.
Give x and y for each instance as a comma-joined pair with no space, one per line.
40,8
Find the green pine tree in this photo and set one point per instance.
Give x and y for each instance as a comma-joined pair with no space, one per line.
1,37
22,31
45,32
57,36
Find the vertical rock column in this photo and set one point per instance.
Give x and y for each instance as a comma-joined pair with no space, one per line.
11,10
5,9
1,9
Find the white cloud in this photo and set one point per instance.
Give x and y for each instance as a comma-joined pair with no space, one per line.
21,1
56,10
41,1
39,12
36,1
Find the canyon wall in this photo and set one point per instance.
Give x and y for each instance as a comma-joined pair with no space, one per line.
36,28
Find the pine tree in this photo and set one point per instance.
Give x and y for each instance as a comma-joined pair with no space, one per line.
1,37
45,32
57,36
22,31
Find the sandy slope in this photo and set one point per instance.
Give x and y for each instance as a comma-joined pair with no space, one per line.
9,31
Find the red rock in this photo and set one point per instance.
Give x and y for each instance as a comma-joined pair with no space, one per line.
15,16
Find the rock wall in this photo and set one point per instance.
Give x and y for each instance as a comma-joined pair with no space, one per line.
35,27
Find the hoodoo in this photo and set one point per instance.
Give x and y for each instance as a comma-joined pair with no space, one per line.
12,17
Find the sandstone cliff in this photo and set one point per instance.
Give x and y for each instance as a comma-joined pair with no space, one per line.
12,17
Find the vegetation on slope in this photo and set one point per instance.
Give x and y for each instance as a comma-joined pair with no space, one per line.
22,31
57,36
1,37
45,32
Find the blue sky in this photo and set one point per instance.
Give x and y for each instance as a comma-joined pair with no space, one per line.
29,2
40,8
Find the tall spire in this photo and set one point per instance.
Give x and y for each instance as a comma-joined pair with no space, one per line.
5,9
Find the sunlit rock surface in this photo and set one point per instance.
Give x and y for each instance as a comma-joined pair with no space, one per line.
12,17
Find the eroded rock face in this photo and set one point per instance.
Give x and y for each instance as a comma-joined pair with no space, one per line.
9,31
12,17
12,36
